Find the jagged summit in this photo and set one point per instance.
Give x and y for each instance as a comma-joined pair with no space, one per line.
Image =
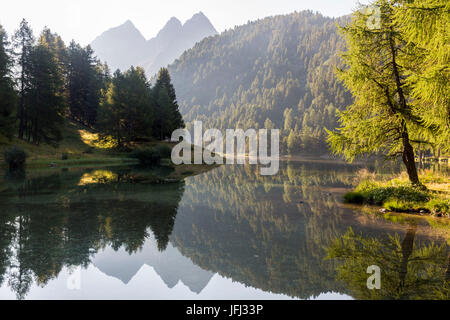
124,46
174,20
199,16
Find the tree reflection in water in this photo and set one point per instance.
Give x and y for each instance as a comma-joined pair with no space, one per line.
54,221
272,233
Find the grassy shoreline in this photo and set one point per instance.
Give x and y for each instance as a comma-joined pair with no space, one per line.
81,147
398,195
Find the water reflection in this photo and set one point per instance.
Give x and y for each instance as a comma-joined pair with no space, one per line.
52,221
408,271
269,233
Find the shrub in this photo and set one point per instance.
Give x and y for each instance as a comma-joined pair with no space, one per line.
398,205
15,157
147,156
439,206
378,194
354,197
164,151
64,156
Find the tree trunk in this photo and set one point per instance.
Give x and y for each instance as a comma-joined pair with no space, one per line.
21,121
408,151
408,158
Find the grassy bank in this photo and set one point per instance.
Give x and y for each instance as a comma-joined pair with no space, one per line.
82,147
79,146
399,195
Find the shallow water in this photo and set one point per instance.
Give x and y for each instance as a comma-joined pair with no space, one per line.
226,234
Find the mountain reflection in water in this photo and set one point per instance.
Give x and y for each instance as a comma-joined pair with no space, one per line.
228,233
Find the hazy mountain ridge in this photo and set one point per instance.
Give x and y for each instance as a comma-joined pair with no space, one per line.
124,46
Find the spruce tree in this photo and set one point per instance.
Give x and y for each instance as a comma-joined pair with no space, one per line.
126,112
7,92
23,41
45,96
85,81
169,116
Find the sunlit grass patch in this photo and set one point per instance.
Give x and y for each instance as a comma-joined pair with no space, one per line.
94,140
399,195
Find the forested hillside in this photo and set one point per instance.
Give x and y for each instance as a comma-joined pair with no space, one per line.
46,85
277,72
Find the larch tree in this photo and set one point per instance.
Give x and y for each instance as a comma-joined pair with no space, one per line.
425,25
381,119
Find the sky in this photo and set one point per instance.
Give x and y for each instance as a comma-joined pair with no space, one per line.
84,20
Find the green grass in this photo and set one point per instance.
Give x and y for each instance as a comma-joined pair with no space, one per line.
399,195
81,147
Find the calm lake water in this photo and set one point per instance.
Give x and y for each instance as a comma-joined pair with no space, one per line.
107,233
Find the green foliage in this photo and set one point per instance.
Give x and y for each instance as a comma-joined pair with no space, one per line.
400,196
425,25
378,193
64,156
41,85
276,72
399,75
15,157
384,118
397,205
439,206
127,109
168,116
354,197
131,109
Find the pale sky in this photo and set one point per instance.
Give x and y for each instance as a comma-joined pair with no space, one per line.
83,20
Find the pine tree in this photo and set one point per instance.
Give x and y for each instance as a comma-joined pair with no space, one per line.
7,92
381,117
